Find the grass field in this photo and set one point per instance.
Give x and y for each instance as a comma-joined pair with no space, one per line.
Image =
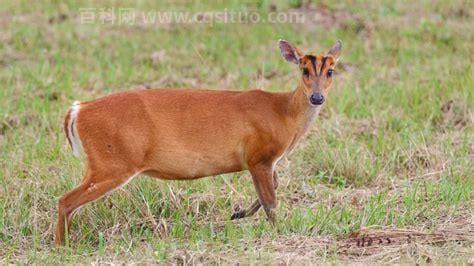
392,150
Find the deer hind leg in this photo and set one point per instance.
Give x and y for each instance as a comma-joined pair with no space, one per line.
94,186
247,212
255,205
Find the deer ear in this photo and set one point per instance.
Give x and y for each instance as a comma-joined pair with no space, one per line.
336,50
289,52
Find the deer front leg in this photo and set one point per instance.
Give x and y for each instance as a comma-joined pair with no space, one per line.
262,176
255,205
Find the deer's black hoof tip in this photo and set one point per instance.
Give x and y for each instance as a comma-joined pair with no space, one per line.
238,215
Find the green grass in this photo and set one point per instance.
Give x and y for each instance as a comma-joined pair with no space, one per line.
393,147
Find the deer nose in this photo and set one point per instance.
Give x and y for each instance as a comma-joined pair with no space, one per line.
316,98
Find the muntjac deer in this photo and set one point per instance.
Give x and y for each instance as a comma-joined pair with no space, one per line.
187,134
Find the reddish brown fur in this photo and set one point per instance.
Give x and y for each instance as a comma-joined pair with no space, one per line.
187,134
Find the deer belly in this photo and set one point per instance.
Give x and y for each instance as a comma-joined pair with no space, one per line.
188,164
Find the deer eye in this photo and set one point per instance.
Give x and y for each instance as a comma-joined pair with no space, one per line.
330,73
305,72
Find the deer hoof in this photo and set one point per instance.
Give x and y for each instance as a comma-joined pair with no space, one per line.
238,215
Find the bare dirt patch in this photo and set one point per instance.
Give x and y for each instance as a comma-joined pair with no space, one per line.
365,243
371,241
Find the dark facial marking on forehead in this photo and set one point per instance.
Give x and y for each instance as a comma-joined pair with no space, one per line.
322,64
319,62
313,59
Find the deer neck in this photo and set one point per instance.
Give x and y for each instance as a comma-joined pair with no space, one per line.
301,111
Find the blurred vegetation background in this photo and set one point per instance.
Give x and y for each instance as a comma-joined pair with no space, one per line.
392,148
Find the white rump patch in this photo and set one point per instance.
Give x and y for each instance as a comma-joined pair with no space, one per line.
72,132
